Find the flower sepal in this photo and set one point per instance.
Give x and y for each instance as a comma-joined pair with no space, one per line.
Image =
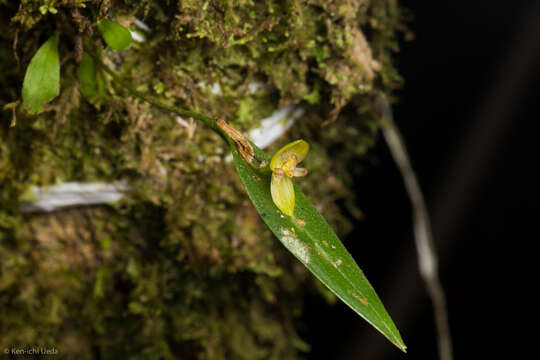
284,168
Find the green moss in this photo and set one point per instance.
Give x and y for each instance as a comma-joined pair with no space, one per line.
162,270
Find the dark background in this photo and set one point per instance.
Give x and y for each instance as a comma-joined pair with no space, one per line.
468,113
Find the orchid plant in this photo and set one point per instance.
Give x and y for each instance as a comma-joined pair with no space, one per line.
282,206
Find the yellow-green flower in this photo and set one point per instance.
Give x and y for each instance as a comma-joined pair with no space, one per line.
283,166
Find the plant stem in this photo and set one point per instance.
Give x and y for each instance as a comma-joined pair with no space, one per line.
219,126
179,111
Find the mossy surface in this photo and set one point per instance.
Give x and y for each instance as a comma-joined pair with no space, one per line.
182,267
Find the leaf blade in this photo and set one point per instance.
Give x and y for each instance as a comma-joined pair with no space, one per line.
114,34
90,78
311,240
41,81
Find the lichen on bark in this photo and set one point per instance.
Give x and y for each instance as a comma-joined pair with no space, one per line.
182,267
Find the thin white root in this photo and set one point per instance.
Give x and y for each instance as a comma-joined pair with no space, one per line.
425,248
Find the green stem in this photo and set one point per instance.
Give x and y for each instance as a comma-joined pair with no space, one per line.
181,112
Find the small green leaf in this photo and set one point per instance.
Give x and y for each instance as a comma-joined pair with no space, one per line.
115,35
90,78
308,237
42,79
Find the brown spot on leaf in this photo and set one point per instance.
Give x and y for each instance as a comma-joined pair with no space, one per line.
357,297
363,301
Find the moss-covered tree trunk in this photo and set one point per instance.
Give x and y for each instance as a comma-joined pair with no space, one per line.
181,267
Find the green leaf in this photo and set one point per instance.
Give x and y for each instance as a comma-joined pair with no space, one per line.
42,79
308,237
91,80
115,35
